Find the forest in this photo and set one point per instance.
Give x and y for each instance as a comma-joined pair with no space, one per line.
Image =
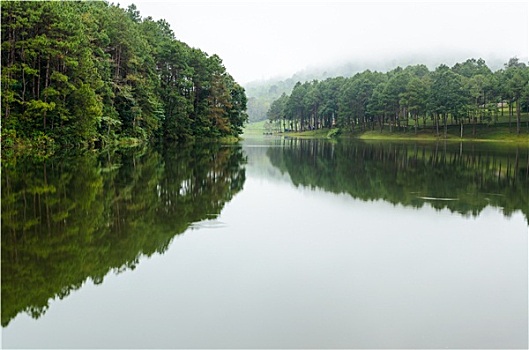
89,73
410,98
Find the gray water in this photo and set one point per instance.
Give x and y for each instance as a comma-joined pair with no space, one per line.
273,244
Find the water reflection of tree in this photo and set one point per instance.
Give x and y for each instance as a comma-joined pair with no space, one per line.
462,178
74,218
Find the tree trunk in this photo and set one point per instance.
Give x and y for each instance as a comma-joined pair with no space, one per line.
445,118
37,97
518,116
484,106
46,84
510,115
364,123
47,81
23,85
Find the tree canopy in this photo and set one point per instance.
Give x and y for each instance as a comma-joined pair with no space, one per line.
467,93
80,73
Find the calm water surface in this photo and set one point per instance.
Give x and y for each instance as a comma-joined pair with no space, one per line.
277,243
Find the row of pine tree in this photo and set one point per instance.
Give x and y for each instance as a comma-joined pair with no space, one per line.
467,93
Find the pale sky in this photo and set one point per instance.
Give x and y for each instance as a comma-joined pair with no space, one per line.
264,39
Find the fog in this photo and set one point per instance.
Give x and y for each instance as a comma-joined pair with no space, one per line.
266,39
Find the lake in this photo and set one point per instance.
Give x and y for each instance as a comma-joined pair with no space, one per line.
273,243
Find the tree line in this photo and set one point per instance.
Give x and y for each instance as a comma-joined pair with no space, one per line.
408,98
89,72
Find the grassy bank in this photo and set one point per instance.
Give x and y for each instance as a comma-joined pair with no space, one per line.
482,133
257,128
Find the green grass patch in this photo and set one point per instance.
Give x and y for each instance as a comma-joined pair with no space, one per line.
483,133
257,128
264,127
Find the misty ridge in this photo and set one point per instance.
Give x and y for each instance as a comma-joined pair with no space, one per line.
261,93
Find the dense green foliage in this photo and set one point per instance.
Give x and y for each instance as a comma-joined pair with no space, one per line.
60,229
462,178
409,98
77,73
262,93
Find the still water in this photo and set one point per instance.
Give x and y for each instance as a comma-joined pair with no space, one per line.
274,243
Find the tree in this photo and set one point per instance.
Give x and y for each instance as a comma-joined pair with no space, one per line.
446,95
276,113
393,92
472,67
330,91
295,108
377,104
415,97
237,113
518,79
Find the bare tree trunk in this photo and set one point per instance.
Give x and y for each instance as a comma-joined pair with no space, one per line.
445,118
47,81
518,116
510,115
484,106
37,97
23,85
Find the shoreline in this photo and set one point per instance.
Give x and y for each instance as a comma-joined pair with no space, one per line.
485,135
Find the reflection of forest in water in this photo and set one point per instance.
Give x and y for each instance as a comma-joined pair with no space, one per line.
73,218
463,178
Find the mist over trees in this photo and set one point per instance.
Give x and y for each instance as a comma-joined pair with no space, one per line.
79,73
407,98
262,93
